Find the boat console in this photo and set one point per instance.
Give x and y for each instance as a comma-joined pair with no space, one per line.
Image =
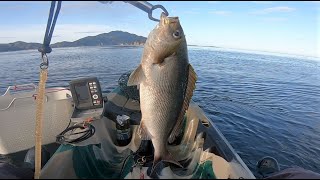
86,93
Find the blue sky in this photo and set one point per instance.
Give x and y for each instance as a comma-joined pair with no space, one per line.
274,26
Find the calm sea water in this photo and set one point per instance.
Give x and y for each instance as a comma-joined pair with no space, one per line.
265,105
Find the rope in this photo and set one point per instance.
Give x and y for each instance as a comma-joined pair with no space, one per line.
42,84
39,118
50,27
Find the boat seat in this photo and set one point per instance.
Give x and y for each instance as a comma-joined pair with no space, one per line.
17,112
119,104
124,100
131,92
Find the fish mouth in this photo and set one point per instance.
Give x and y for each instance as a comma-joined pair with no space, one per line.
165,20
173,19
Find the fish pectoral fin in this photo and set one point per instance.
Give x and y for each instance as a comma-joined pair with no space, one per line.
136,77
143,132
191,85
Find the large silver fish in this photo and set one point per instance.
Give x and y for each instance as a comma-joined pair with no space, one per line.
166,81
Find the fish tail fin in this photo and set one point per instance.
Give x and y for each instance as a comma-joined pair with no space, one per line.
167,157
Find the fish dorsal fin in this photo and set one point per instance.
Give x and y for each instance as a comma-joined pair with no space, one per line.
191,85
136,77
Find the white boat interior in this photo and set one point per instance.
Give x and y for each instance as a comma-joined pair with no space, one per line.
201,143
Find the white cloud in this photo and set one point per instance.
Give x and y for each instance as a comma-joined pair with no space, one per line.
191,12
195,9
275,19
62,32
274,10
223,13
75,7
262,2
14,7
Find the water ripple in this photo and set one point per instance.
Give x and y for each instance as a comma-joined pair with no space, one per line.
263,104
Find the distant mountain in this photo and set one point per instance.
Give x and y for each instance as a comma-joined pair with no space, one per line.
19,45
105,39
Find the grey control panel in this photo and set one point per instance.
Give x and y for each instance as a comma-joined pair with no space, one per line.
86,93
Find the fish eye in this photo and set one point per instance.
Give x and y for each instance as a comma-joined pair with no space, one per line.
176,34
